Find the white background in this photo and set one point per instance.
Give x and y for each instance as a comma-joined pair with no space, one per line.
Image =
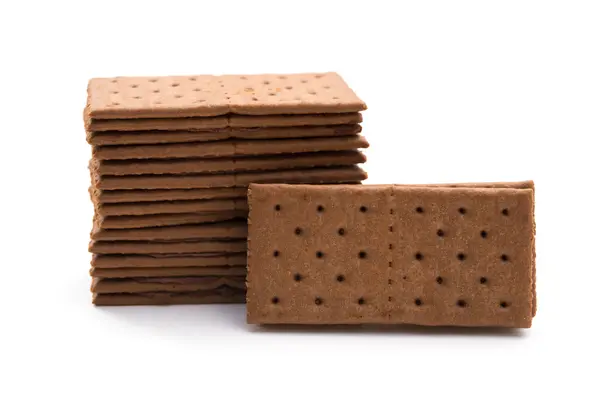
457,91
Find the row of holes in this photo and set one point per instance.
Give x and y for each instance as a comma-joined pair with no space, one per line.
418,302
418,256
341,278
193,79
298,231
419,210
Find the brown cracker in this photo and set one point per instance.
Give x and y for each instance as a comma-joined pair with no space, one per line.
133,196
112,138
156,220
204,95
395,265
157,247
167,271
229,148
221,295
219,230
167,260
234,121
241,179
167,207
165,284
257,163
291,94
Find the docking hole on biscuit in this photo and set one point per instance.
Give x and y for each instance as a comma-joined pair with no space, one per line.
483,234
319,254
461,256
439,280
134,86
362,254
440,233
483,280
503,304
418,256
298,231
320,208
391,229
462,210
275,300
277,207
276,253
419,210
341,232
340,278
174,84
361,301
504,258
297,277
363,209
505,212
318,301
461,303
418,302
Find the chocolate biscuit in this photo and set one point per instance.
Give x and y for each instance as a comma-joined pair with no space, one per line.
156,220
165,284
106,261
222,295
196,181
219,230
166,247
208,96
112,138
229,148
391,254
172,207
233,121
228,164
141,195
136,272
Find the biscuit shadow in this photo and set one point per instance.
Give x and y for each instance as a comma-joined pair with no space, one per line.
392,330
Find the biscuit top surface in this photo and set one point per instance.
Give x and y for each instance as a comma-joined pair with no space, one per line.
390,254
211,95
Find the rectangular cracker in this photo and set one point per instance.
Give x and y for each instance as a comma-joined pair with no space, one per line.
158,220
207,96
222,295
167,271
233,121
172,207
219,230
157,247
229,164
406,254
229,148
112,138
241,179
166,284
134,196
112,261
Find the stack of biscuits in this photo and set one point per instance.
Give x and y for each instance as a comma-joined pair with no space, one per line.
171,163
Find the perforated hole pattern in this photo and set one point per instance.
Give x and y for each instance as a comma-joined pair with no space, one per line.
391,265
